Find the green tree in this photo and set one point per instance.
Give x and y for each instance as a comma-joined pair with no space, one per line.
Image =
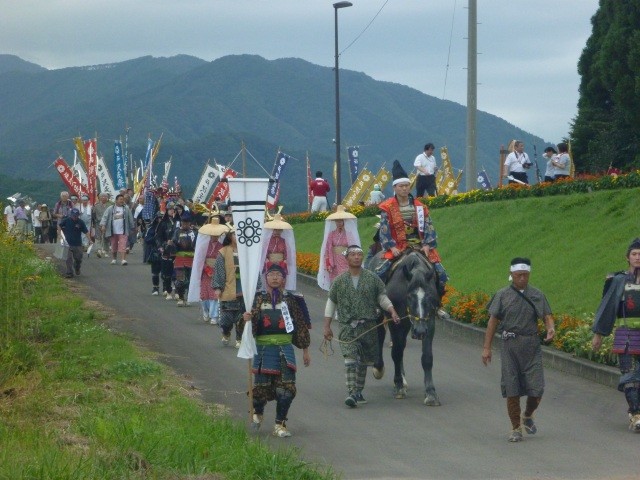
606,129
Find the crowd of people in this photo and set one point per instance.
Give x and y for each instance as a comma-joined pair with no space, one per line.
193,258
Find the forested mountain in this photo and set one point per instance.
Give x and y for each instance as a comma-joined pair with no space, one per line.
206,109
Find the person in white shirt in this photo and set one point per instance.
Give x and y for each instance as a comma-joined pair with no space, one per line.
562,162
426,165
9,217
85,215
549,154
517,163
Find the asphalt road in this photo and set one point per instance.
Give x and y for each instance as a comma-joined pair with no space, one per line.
582,426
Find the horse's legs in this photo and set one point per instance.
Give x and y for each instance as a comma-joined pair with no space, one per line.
430,397
378,366
399,338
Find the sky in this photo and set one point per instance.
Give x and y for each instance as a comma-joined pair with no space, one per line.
527,51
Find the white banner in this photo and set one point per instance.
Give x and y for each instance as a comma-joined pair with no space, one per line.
248,199
104,179
200,195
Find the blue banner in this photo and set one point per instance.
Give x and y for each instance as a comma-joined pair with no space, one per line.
483,180
119,166
353,162
274,187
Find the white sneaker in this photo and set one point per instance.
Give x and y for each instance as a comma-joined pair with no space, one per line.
256,421
205,317
213,321
124,262
169,296
176,296
113,262
99,254
180,303
281,431
154,292
225,340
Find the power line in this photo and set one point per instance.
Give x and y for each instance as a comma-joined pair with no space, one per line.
365,28
446,71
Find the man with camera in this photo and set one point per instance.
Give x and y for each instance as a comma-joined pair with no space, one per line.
517,163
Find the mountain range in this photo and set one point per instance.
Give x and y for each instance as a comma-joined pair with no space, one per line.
207,110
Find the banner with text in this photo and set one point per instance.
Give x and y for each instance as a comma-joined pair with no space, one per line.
119,166
273,193
360,187
105,181
68,178
205,184
354,162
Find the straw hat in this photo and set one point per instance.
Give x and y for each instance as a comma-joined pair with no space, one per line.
277,223
341,214
214,228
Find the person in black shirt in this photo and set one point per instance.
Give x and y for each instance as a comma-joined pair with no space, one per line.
72,227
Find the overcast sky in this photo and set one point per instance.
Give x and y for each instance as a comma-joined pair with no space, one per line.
527,63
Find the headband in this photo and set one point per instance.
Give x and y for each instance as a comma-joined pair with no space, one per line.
352,249
520,267
401,180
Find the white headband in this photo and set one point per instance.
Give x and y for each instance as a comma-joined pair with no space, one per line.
401,180
520,266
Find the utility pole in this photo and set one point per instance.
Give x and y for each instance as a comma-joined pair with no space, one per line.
472,96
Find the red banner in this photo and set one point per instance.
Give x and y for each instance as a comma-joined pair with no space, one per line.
222,188
90,147
70,180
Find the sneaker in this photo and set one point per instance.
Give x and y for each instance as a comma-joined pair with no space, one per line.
351,401
225,340
205,317
155,291
124,262
256,421
281,431
360,400
213,321
164,293
529,426
176,296
99,254
169,296
113,262
516,435
238,343
634,423
180,303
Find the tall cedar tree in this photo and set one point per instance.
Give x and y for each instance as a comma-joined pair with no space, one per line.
606,130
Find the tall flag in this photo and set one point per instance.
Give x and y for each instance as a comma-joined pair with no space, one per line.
248,203
207,179
91,148
309,180
382,177
78,169
77,141
273,193
104,178
353,153
483,180
119,166
221,191
148,155
68,178
359,188
446,181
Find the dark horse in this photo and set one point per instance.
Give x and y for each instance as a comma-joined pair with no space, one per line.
412,288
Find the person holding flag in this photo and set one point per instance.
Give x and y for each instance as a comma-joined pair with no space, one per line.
278,324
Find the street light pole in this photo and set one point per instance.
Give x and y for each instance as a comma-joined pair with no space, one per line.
337,6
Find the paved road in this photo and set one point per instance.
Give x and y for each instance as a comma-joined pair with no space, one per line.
582,426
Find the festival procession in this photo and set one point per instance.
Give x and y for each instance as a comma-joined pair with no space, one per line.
229,253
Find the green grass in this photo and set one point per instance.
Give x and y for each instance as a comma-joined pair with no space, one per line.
80,402
573,241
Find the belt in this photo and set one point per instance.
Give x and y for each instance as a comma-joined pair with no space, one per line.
185,254
276,257
507,335
274,339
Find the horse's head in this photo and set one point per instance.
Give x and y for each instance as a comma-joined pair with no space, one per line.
422,298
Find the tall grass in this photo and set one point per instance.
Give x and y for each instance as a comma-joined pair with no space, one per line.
78,402
573,241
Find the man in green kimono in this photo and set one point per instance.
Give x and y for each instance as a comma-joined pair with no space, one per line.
355,296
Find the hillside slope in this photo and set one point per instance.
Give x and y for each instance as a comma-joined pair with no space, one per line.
573,241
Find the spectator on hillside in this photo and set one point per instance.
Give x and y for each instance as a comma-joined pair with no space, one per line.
319,189
425,163
549,154
9,217
562,162
517,163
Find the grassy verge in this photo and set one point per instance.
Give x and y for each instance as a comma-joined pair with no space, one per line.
80,402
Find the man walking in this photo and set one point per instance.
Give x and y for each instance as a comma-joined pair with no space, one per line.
73,228
516,310
319,189
356,296
425,163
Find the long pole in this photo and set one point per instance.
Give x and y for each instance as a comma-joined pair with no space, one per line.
472,95
336,7
337,74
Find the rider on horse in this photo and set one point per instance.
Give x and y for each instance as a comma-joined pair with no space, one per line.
405,224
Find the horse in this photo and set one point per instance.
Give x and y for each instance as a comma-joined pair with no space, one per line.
412,288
